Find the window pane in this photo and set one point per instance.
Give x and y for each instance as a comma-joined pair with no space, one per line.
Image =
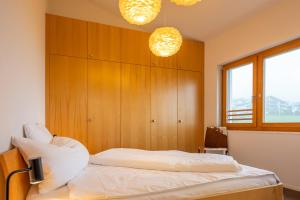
282,88
239,94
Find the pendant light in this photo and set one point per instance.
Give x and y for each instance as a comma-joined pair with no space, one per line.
185,2
165,41
139,12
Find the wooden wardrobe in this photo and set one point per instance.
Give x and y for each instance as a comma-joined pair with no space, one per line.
105,88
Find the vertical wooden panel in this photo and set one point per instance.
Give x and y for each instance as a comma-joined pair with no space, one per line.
68,97
163,108
104,42
47,90
134,47
191,55
169,62
135,106
67,36
103,105
190,109
47,72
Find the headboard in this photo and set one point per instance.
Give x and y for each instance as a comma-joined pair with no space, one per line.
19,186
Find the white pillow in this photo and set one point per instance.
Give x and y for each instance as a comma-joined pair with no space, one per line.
62,160
38,132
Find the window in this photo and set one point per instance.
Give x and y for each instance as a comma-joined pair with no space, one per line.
239,105
282,88
262,92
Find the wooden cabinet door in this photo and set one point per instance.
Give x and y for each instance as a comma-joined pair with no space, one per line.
68,97
103,105
168,62
104,42
135,47
66,36
135,106
163,108
190,110
191,55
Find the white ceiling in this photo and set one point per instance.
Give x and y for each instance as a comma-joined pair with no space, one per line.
201,21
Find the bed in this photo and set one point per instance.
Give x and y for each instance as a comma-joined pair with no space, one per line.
257,188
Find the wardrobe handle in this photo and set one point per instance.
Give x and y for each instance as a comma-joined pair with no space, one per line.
153,120
179,121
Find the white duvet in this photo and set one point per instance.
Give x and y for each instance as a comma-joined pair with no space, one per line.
174,161
106,182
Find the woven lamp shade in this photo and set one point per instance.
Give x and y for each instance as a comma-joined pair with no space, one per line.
165,41
139,12
185,2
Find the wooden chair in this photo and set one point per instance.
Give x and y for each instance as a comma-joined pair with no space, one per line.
216,141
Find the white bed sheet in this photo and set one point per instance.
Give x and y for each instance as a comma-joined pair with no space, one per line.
221,183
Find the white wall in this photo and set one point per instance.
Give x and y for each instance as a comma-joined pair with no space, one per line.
22,66
269,27
278,152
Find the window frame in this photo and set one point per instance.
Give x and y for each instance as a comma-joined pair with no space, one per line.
258,87
236,64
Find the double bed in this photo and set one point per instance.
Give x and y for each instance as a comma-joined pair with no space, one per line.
249,184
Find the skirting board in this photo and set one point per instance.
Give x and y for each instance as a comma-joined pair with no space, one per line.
292,187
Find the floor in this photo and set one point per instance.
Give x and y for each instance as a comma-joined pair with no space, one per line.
291,195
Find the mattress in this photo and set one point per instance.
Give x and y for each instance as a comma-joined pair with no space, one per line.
100,182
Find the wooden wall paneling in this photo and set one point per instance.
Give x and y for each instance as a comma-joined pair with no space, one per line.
103,105
104,42
135,106
191,55
168,62
83,97
190,109
68,97
47,90
67,36
163,108
47,72
135,47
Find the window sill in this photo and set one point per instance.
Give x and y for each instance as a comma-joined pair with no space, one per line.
295,130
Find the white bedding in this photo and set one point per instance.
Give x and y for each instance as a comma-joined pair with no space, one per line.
174,161
106,182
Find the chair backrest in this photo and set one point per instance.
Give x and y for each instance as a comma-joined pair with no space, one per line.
214,138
